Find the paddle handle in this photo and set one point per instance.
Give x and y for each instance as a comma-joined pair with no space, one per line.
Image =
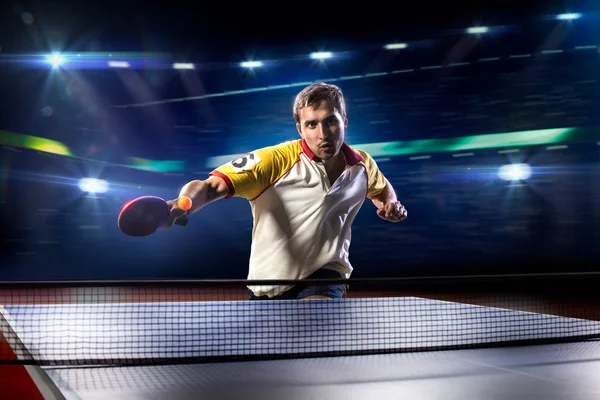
181,221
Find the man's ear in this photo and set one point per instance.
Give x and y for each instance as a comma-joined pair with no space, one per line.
345,123
299,130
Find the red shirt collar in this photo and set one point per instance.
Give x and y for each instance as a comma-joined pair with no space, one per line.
353,157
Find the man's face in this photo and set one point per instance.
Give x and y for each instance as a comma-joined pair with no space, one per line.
323,129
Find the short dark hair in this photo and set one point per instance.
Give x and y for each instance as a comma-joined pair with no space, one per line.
315,93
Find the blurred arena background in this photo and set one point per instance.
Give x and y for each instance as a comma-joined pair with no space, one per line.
489,132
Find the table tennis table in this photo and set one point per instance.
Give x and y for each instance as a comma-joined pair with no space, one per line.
85,350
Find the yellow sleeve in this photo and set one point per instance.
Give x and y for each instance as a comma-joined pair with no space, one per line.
376,178
253,173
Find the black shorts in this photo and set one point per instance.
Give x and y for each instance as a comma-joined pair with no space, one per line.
331,290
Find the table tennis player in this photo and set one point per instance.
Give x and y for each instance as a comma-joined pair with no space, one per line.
304,196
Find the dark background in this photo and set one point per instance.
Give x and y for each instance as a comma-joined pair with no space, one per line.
463,219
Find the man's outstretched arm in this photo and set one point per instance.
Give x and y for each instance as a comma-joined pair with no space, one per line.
246,177
388,206
201,193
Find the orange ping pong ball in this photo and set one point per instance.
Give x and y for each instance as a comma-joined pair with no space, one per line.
185,203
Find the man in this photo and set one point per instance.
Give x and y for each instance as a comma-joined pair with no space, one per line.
304,196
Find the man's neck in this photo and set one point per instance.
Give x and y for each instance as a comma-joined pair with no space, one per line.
337,161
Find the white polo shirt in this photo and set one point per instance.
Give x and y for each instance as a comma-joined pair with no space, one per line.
301,222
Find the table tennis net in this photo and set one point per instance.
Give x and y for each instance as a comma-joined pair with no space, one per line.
138,323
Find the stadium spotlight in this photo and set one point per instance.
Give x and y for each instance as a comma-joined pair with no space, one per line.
321,55
568,16
183,66
91,185
514,172
251,64
56,60
395,46
118,64
477,30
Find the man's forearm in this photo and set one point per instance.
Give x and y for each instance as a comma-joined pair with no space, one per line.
386,196
204,192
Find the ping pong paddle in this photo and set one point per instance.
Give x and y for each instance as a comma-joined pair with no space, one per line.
144,215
